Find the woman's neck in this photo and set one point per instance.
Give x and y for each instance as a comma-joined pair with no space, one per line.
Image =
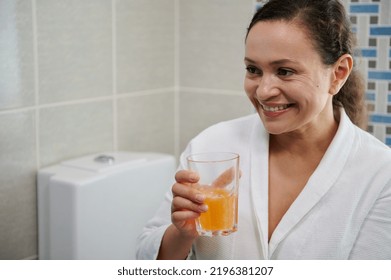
306,141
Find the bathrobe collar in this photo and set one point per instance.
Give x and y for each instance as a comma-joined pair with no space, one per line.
317,186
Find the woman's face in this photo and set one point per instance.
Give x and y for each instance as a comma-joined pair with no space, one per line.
286,80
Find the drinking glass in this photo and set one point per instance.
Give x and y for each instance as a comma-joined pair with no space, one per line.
219,182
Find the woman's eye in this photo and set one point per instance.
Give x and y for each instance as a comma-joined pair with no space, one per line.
253,70
284,72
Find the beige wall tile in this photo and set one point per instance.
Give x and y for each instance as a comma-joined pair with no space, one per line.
16,55
75,130
145,44
146,123
199,110
74,49
18,215
212,43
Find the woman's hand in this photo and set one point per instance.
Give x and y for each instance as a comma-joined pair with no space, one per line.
187,203
186,206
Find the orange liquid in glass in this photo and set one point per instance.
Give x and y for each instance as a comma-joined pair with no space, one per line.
222,210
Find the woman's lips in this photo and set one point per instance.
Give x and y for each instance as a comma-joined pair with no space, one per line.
275,110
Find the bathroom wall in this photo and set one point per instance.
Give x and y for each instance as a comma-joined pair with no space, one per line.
79,77
211,68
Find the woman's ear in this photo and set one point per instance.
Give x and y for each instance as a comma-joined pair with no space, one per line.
341,72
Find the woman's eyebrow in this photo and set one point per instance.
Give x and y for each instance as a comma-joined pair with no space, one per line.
284,61
246,59
274,63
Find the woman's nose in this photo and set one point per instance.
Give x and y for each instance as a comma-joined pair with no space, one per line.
267,87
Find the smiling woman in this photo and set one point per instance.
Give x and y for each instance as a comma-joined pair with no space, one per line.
330,39
314,185
287,82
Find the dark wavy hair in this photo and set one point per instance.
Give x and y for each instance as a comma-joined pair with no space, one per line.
330,31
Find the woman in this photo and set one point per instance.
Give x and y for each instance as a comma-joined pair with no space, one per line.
314,185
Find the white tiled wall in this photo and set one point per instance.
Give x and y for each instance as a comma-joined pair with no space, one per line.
211,68
202,108
74,49
16,55
212,43
79,77
151,61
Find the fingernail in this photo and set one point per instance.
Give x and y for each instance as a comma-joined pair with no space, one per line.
204,207
193,177
200,197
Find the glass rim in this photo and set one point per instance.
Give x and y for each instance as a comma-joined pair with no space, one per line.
214,157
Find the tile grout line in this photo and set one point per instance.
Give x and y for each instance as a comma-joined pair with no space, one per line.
114,74
213,91
145,92
120,96
176,81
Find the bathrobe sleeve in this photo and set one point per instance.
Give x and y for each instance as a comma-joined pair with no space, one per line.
150,239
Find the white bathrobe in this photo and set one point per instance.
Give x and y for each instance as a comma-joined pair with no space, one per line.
344,211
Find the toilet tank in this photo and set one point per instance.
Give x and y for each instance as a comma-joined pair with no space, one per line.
94,207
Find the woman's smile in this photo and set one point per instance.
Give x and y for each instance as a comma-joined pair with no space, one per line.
275,108
273,111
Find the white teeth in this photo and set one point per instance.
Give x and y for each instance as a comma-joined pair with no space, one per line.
274,109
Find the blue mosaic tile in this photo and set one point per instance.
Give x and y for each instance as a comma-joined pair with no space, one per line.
378,118
370,96
364,8
379,75
367,52
380,30
258,6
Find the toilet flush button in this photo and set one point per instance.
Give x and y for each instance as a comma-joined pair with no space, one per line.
105,159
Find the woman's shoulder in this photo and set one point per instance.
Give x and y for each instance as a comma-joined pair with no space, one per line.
242,125
363,145
226,133
373,150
